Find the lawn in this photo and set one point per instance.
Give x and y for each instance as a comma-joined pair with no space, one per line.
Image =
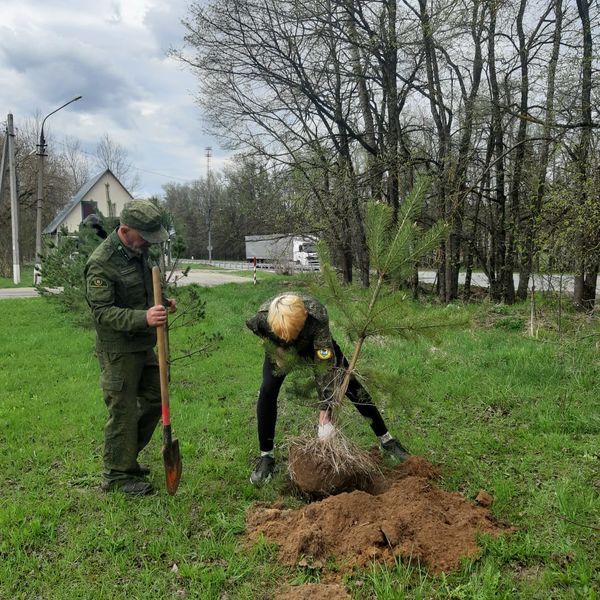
498,410
26,272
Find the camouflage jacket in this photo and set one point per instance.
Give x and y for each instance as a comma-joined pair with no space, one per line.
314,341
119,292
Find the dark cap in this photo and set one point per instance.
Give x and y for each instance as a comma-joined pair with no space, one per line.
144,217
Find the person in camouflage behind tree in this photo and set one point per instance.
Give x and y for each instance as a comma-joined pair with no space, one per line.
298,323
119,292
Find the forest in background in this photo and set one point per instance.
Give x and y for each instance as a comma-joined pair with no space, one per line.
351,99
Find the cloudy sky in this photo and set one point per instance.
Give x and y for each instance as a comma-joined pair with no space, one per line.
114,54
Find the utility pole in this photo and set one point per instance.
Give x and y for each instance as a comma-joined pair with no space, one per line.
209,203
37,269
14,206
3,164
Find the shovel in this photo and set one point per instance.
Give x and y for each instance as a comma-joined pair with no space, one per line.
170,449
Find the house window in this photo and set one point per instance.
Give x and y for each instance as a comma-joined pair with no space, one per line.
88,208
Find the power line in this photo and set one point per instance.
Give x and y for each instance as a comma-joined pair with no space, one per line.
163,175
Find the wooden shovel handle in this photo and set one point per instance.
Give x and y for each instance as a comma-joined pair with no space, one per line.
162,351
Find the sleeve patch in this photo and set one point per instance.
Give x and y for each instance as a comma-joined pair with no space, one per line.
324,353
98,282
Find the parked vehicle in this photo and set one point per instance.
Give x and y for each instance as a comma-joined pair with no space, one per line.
283,251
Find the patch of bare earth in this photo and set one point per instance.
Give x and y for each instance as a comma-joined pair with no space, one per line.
314,591
403,515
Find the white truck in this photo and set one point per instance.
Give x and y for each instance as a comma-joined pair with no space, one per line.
284,251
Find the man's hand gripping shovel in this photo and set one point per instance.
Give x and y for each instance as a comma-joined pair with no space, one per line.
170,449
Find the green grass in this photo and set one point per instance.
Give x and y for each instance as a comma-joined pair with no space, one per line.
26,278
500,411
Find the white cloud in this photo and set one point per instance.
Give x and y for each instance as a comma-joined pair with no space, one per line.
113,53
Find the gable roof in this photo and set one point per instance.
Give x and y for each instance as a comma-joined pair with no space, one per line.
76,199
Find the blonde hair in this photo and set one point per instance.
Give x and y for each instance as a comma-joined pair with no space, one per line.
287,315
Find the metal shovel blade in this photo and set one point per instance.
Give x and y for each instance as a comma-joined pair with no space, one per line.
173,466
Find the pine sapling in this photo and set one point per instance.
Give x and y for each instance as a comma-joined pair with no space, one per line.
395,246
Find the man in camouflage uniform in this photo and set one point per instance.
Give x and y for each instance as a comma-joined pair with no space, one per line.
310,340
119,291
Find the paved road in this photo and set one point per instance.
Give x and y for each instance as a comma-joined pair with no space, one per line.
18,293
210,278
201,277
543,283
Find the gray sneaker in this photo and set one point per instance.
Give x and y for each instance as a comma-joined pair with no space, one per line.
263,470
395,450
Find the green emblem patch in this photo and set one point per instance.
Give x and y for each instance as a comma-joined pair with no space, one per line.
324,353
98,282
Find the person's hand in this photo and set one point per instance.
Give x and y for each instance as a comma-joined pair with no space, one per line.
156,316
326,428
325,431
172,305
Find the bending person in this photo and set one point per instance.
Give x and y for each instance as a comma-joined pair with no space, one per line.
299,323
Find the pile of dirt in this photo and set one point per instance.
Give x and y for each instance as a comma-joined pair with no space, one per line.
403,515
314,591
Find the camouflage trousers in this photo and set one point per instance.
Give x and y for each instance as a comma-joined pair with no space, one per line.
130,383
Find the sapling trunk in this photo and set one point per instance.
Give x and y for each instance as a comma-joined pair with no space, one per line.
334,464
341,391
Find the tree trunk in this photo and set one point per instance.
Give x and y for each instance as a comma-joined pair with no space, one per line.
440,118
519,157
465,151
583,298
499,232
530,244
390,83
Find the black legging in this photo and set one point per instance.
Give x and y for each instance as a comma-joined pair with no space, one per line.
266,407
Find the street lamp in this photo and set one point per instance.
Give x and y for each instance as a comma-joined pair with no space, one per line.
209,204
37,271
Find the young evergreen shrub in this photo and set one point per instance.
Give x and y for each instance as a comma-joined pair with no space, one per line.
62,272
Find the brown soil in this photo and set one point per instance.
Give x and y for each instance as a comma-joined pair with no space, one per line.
318,476
404,515
314,591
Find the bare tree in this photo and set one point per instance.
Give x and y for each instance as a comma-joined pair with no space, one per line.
530,242
76,163
114,156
